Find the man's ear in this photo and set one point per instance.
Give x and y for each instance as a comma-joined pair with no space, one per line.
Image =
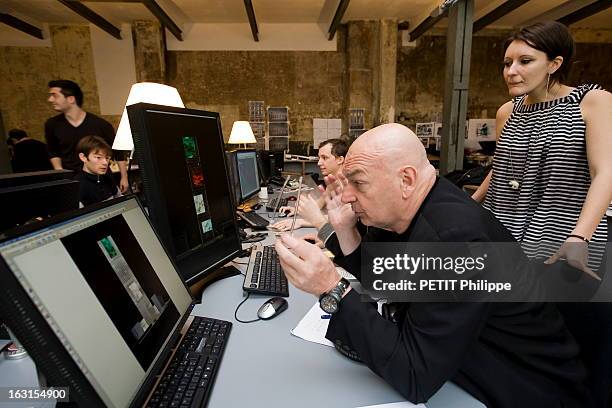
408,176
71,99
83,157
340,160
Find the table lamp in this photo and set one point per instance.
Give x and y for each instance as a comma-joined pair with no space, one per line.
241,133
148,92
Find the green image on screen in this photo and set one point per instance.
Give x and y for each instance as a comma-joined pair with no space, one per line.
189,144
110,248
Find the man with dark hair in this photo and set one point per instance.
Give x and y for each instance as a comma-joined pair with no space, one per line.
95,184
27,154
64,131
331,156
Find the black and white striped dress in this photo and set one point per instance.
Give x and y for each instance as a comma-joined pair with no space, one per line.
543,147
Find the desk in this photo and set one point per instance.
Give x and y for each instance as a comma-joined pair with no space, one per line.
265,366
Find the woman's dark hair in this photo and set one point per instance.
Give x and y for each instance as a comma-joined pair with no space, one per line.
553,39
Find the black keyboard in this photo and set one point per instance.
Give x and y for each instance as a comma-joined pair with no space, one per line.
272,204
264,274
253,219
190,376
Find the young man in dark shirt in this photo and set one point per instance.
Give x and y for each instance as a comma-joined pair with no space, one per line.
64,131
28,154
95,183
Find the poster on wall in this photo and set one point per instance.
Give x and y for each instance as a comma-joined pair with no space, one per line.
479,130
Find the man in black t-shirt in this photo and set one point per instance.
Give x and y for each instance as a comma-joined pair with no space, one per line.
27,154
64,131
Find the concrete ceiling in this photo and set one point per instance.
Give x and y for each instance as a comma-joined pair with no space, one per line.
281,11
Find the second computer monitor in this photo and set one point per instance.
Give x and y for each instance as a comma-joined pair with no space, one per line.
181,157
247,173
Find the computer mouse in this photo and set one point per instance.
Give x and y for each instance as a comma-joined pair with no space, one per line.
272,308
256,206
291,198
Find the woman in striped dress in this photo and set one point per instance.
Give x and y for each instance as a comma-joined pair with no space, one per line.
552,179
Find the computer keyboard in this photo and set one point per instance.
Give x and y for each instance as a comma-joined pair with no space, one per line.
253,219
189,378
272,204
264,274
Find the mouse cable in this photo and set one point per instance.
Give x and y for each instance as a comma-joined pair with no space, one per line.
238,307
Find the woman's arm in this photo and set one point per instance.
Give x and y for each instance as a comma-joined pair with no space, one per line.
503,113
597,114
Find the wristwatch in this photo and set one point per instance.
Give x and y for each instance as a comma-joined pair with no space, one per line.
330,301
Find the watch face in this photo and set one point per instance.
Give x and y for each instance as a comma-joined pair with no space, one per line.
329,304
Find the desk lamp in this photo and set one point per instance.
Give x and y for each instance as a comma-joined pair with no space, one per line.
148,92
241,133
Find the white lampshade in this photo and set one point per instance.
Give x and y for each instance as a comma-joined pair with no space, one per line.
241,133
148,92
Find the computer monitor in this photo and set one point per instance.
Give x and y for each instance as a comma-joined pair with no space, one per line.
95,299
182,162
23,203
22,179
248,173
232,172
273,163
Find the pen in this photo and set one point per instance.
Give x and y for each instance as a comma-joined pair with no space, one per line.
326,316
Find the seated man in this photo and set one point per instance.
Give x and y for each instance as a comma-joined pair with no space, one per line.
331,158
95,182
504,354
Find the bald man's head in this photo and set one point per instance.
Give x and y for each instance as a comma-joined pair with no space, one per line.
388,171
392,145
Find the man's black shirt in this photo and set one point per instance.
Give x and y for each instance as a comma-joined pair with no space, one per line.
30,155
94,188
62,137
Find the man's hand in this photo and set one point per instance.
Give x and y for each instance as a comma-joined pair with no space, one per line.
341,215
576,252
310,211
286,211
305,266
123,184
285,225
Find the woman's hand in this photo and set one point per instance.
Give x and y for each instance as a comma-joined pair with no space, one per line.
576,252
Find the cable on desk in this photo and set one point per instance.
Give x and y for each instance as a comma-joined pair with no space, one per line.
238,307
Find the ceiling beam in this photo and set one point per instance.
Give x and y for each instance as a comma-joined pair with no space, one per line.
21,25
252,21
558,12
496,14
585,12
163,18
342,6
426,25
91,16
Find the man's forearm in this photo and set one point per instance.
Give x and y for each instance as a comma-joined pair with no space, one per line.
123,168
56,162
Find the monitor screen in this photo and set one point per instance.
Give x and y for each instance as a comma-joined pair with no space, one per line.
247,173
101,296
22,179
182,161
25,203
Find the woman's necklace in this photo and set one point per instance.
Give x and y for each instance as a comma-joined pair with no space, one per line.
514,183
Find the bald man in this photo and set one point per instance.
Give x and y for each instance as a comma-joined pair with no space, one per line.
504,354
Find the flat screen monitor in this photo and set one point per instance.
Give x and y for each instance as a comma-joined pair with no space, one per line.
248,173
30,202
182,162
232,168
95,299
22,179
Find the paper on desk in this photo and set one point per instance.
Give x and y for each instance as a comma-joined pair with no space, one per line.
402,404
312,327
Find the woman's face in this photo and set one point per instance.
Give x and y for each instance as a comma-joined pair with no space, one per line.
525,68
